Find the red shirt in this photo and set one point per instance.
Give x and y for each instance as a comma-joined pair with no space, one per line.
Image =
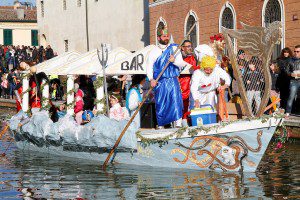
185,79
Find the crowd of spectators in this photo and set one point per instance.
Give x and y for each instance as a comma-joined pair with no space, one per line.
10,59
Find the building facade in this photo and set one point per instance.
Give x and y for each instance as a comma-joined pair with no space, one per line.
18,26
82,25
180,15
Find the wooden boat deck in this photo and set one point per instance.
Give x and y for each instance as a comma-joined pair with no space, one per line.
293,125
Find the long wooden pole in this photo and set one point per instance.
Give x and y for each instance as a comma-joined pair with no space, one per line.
143,101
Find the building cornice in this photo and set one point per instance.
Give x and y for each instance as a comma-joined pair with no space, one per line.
159,2
15,25
19,21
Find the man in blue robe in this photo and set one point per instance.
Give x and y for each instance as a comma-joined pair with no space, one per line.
168,98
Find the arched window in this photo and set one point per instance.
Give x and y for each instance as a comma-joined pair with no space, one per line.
227,18
272,13
193,35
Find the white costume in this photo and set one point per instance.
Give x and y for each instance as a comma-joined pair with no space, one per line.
203,86
156,52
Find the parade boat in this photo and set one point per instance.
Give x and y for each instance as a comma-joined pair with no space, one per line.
229,146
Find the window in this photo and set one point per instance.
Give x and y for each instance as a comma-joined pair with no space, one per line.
34,38
193,35
65,4
79,3
7,34
66,45
227,19
272,14
42,8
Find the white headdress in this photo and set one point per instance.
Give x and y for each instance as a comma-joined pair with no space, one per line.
203,50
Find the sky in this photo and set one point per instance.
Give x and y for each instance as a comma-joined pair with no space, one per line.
10,2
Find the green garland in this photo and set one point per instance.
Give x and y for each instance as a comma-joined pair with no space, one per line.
71,92
192,132
71,105
160,141
26,91
97,84
25,76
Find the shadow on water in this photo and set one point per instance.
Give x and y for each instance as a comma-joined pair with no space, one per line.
55,177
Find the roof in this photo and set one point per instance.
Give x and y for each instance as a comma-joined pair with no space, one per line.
9,14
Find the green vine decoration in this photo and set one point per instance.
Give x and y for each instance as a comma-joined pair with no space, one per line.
26,91
71,105
192,132
71,92
25,76
98,82
162,140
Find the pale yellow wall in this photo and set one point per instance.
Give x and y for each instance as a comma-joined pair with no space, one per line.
1,36
21,32
21,37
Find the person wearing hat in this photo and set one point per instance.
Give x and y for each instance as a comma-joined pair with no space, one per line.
206,80
168,97
134,96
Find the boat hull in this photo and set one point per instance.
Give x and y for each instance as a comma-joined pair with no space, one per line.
240,148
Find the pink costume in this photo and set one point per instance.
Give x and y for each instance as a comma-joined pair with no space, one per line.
118,113
78,109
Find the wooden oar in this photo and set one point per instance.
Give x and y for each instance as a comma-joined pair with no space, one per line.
143,101
4,131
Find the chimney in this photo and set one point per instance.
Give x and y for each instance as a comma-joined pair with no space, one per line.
20,14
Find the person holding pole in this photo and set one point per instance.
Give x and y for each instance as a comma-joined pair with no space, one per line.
168,97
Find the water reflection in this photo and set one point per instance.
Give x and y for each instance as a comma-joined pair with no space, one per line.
54,177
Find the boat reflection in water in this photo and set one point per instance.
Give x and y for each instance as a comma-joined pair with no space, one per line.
55,177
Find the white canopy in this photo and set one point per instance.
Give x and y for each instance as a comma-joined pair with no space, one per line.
89,64
135,63
56,62
120,62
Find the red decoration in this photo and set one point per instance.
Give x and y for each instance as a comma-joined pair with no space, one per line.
217,37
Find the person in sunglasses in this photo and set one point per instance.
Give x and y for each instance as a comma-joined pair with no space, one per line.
293,70
185,79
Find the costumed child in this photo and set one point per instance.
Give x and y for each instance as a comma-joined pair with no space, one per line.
116,111
78,109
134,97
206,80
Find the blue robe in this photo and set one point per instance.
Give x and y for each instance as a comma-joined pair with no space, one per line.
168,98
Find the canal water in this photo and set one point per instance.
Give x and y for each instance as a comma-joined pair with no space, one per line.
52,177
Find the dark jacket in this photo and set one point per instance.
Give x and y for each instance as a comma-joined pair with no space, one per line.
256,80
49,53
293,65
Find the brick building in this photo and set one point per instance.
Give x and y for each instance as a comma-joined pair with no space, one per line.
179,15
